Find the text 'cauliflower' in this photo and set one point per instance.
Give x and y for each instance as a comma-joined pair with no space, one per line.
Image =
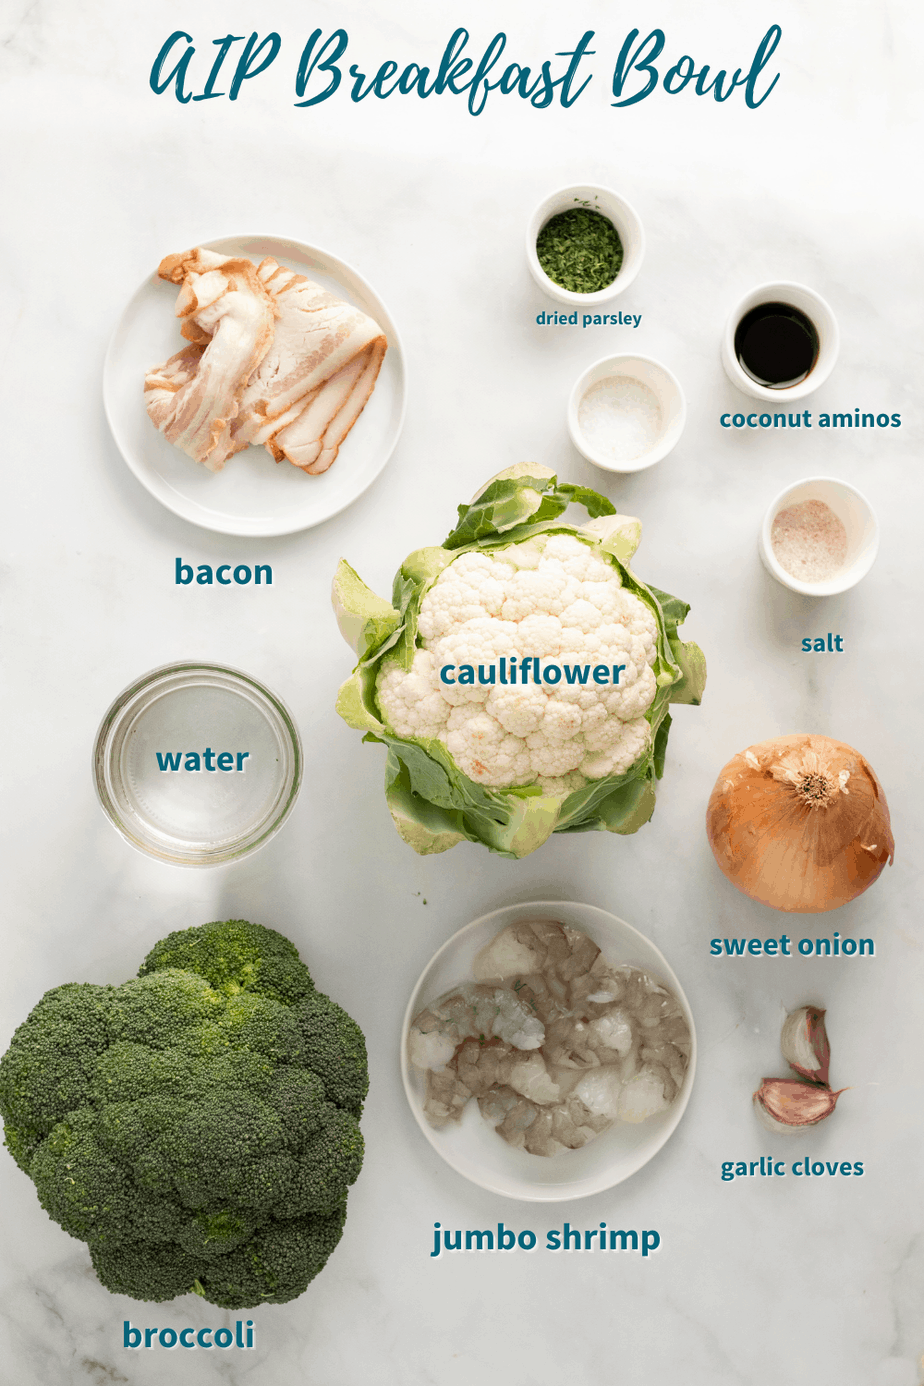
522,676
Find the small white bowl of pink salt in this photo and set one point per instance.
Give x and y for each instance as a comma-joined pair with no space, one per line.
626,412
819,537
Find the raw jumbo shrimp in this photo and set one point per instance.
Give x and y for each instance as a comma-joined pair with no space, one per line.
554,1043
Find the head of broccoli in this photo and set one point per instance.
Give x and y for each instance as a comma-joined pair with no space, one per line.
198,1126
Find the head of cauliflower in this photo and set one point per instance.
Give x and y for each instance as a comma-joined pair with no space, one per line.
555,598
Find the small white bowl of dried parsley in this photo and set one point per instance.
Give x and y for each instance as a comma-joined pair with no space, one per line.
584,244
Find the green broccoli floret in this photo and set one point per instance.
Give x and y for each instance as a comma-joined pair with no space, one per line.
150,1272
197,1126
92,1195
335,1049
50,1062
235,956
271,1267
280,1257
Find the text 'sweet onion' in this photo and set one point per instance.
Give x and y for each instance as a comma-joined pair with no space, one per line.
800,823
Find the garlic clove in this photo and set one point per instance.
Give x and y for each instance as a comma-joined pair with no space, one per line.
788,1105
804,1043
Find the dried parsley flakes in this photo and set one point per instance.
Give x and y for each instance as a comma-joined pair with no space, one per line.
580,250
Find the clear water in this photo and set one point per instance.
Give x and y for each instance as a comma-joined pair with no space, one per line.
204,807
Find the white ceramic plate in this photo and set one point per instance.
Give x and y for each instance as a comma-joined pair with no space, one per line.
253,494
472,1147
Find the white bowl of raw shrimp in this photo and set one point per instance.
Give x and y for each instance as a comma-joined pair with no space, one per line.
471,1146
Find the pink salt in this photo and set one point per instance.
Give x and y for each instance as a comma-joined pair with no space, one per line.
809,541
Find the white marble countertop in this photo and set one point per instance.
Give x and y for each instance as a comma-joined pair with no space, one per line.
757,1282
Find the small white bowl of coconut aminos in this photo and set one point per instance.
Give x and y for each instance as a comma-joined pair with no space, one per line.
626,413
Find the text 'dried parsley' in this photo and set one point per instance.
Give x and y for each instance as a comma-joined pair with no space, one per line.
580,250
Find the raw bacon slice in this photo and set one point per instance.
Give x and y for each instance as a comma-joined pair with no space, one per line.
317,376
228,319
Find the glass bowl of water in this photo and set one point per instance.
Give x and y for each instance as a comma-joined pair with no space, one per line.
197,764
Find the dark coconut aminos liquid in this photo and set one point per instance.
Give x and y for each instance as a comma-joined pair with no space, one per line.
776,345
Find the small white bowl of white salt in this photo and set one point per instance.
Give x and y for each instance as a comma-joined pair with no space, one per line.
819,537
626,412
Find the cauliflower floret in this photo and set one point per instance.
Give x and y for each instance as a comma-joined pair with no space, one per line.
408,699
562,785
621,754
622,644
604,735
639,621
519,710
562,721
539,633
554,758
484,751
607,599
563,546
474,585
582,614
636,698
545,588
578,559
586,696
592,718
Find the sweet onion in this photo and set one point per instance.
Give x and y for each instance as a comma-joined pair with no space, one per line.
800,823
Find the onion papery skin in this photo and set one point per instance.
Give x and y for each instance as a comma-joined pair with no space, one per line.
787,850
